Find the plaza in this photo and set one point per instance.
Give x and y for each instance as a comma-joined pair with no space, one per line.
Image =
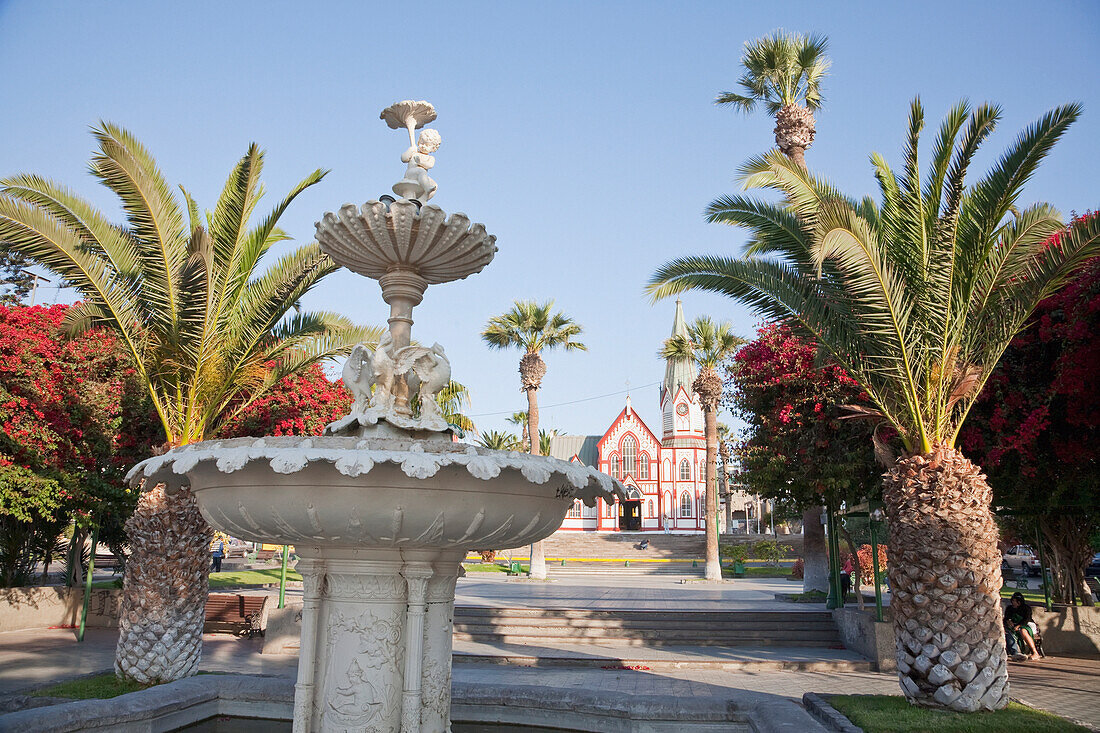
386,430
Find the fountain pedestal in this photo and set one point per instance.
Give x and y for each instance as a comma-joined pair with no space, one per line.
376,654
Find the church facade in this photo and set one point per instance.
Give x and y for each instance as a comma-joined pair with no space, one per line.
665,477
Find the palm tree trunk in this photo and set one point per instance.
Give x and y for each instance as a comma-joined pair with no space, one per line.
538,553
945,574
710,425
815,574
165,585
815,565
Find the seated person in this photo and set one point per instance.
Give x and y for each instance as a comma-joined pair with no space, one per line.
1019,626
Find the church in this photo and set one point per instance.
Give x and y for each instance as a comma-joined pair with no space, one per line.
665,478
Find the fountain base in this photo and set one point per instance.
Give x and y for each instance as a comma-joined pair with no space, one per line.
376,639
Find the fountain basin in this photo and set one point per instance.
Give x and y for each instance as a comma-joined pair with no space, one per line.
375,492
381,525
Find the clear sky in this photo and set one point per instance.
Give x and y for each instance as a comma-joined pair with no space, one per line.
583,134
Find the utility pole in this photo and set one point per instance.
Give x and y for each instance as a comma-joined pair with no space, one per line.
34,285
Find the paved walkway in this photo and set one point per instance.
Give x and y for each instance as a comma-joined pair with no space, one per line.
1063,685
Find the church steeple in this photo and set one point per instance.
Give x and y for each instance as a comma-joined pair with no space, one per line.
678,371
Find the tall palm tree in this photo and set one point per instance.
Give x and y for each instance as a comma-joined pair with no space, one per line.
534,328
916,297
208,333
783,72
707,344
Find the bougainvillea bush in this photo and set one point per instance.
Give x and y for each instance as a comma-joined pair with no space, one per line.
299,404
798,448
1035,429
73,418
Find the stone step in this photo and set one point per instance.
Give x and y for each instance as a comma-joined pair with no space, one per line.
654,641
714,617
809,659
591,632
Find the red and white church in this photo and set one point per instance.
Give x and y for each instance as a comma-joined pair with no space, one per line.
665,478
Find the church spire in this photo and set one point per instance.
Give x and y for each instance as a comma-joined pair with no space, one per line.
678,371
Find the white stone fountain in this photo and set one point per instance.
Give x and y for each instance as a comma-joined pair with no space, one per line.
382,509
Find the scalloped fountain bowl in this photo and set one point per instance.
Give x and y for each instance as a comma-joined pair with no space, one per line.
381,526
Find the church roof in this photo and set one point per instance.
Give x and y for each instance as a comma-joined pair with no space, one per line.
581,446
678,371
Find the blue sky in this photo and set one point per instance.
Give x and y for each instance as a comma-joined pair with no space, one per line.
582,134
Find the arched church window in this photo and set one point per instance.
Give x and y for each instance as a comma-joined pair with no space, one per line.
610,510
575,510
703,470
685,504
643,466
649,509
633,494
685,471
630,456
614,462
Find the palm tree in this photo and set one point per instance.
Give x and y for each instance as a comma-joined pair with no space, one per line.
208,333
783,72
520,420
707,344
500,441
916,297
534,328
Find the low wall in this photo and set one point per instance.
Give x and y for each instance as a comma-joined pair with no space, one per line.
1066,631
42,607
1069,631
860,632
284,630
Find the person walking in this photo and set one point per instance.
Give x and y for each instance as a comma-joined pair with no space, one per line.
665,521
217,555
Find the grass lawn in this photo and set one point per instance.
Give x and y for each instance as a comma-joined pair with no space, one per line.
764,571
489,567
484,567
251,577
893,714
90,688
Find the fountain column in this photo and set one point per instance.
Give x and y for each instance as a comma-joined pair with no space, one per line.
313,577
416,576
435,716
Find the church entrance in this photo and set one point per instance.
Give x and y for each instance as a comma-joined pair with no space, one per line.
630,515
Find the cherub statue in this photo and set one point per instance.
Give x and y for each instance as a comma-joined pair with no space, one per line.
382,374
434,372
417,184
358,377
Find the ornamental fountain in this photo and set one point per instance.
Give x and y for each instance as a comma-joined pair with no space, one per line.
383,508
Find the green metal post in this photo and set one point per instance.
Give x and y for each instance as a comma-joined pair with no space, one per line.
875,571
88,585
282,577
1042,564
834,600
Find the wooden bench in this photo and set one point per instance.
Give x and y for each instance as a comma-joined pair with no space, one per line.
105,560
236,613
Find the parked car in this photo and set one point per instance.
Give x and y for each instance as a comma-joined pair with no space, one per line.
1093,570
1021,557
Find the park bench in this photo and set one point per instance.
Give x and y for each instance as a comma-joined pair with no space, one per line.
235,612
259,556
108,561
